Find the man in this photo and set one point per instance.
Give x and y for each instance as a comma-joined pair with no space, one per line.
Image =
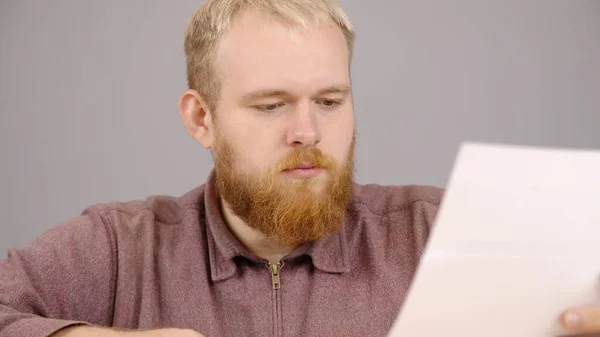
278,242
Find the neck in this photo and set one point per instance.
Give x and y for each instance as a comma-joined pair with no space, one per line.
261,246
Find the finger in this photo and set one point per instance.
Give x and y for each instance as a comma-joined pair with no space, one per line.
585,319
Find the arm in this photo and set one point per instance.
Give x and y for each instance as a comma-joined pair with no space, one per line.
64,278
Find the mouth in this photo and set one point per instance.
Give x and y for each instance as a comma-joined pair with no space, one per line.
303,170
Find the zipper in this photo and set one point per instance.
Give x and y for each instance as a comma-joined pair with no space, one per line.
275,269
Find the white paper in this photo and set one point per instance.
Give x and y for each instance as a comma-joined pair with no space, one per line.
515,243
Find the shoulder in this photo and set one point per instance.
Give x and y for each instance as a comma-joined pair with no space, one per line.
386,199
164,209
410,210
399,217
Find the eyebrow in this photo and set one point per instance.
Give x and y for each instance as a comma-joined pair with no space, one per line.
341,89
266,93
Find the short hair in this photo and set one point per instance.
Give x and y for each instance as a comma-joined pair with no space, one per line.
214,18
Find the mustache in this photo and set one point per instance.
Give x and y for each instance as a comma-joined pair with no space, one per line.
313,157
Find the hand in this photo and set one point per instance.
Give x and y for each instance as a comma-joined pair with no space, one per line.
173,333
86,331
582,320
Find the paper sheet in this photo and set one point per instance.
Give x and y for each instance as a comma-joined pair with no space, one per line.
516,241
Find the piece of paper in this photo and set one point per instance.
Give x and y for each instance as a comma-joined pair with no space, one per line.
515,243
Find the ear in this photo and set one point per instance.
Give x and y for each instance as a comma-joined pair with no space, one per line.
196,117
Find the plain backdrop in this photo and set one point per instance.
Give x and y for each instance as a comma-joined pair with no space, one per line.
89,91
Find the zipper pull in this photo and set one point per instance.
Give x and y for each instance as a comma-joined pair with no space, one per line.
275,268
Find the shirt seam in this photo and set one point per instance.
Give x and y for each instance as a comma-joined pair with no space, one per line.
107,224
402,208
184,207
139,211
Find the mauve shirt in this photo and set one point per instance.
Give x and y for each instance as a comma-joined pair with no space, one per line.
171,262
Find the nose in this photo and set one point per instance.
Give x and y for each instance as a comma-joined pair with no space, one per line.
304,130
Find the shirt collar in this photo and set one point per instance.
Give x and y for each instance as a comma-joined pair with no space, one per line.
328,254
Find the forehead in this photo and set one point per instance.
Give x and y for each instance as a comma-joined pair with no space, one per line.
258,52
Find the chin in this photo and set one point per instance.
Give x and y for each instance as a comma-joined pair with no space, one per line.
316,184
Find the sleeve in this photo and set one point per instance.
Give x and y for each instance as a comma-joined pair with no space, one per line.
64,277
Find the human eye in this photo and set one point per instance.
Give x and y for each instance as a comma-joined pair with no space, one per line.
268,107
330,104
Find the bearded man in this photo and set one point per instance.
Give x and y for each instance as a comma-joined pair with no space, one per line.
279,240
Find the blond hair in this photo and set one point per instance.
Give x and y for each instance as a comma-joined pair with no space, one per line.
211,21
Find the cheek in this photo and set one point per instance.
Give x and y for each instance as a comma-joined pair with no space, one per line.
340,134
255,147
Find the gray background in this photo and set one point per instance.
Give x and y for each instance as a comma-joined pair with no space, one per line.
89,90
